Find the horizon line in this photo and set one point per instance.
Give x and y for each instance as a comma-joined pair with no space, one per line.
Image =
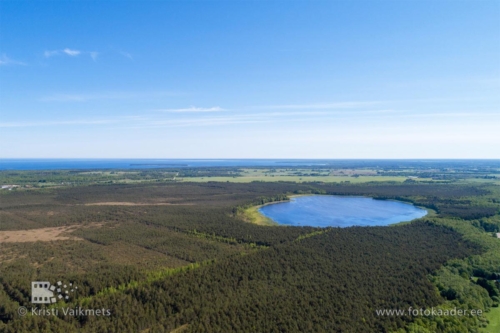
243,158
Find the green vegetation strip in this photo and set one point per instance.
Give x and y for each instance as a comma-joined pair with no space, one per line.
312,234
222,239
253,215
152,276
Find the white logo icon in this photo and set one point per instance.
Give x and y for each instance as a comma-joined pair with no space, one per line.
42,292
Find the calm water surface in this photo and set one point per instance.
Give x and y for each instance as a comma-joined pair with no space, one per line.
337,211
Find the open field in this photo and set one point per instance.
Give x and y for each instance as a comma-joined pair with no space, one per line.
43,234
494,318
351,172
34,235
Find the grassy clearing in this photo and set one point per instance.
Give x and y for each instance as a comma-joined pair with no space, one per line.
494,318
253,215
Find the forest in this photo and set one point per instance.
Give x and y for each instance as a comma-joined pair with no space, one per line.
179,257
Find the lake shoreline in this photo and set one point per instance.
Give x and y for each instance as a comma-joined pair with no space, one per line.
253,215
260,218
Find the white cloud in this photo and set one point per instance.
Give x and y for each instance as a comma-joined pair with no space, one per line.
195,109
71,52
4,61
74,53
49,54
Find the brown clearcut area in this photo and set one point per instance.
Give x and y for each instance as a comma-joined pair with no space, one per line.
42,234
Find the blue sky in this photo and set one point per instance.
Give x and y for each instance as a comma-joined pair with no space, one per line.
250,79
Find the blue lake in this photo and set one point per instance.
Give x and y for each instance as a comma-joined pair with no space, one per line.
340,211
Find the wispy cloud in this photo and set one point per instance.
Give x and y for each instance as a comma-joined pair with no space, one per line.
48,54
248,118
5,61
337,105
329,113
195,109
94,55
126,55
205,121
161,121
66,51
71,52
